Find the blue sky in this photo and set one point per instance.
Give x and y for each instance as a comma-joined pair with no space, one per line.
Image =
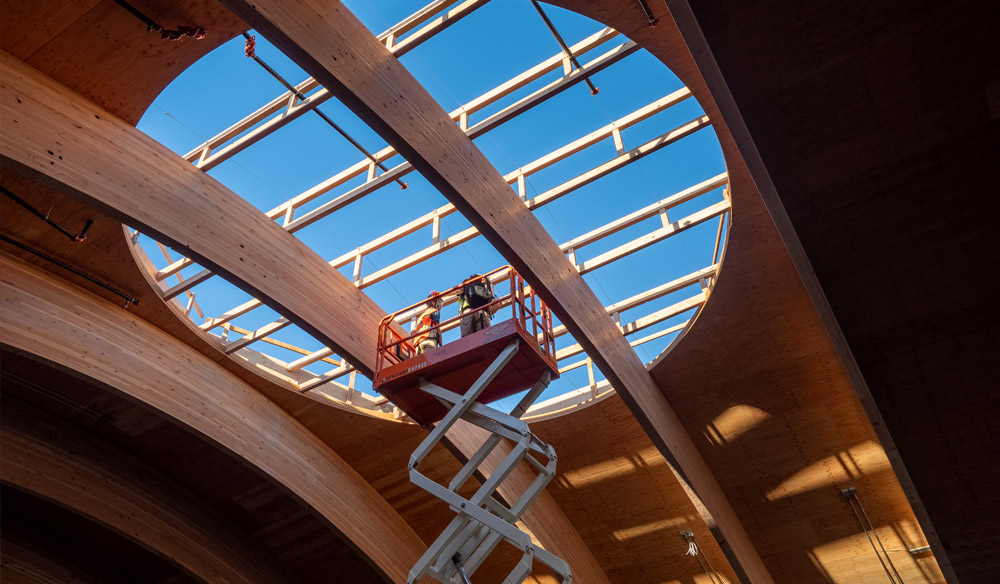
495,43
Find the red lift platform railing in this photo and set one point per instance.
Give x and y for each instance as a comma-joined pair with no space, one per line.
456,365
455,382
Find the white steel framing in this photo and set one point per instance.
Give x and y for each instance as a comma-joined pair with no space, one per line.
435,17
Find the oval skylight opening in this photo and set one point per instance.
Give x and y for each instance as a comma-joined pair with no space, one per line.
630,182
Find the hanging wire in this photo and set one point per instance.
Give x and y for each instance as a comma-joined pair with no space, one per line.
695,552
851,494
88,411
251,51
129,300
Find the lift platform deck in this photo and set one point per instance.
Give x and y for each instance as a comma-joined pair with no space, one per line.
457,365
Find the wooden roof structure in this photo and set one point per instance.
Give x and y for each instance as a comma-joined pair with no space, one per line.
848,339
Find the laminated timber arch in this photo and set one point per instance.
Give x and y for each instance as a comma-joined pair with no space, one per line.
165,196
625,16
77,471
329,43
153,189
50,319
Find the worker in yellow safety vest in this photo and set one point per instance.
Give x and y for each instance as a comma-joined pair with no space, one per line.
428,319
476,294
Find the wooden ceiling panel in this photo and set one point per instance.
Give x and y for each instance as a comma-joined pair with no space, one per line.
607,462
756,381
27,26
105,53
877,126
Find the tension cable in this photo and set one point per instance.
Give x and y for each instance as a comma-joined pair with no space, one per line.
565,47
851,494
250,50
695,552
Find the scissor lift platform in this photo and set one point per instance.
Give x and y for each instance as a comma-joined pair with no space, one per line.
457,365
455,382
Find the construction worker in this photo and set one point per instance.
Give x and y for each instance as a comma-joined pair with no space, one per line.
428,319
476,293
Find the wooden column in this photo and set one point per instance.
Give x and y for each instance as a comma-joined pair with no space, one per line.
47,317
80,472
326,40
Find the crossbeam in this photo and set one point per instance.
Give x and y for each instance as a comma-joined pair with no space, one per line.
202,155
516,177
286,210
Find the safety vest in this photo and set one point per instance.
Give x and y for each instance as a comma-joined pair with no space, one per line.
430,317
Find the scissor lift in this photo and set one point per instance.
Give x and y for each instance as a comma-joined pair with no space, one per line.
456,382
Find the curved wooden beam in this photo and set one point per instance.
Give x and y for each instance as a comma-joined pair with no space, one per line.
56,321
25,565
110,165
91,155
80,472
326,40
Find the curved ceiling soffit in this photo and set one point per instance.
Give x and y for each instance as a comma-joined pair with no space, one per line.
141,66
560,405
62,464
135,65
93,340
188,204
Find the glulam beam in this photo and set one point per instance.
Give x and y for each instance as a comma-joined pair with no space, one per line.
88,153
327,41
51,319
287,211
433,218
60,463
101,160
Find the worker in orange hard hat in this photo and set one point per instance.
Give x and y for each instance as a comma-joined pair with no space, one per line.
428,321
